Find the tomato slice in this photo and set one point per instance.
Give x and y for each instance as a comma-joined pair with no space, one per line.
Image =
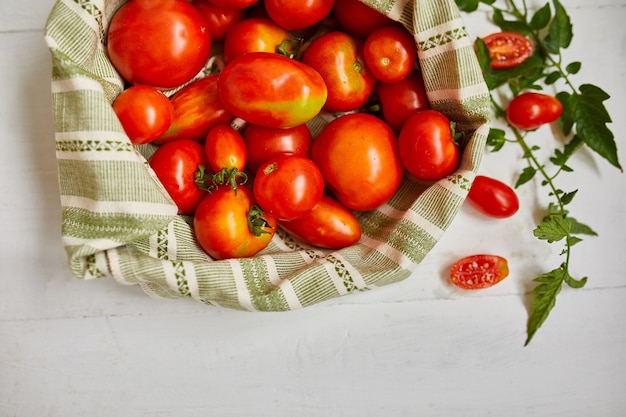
507,49
479,271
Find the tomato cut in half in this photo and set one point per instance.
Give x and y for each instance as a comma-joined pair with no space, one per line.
507,49
479,271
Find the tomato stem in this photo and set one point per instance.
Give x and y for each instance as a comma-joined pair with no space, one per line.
256,223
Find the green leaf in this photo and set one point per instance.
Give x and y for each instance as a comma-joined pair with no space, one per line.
552,229
544,299
571,241
527,174
567,198
577,228
566,120
573,282
467,5
560,31
496,139
541,18
553,77
573,68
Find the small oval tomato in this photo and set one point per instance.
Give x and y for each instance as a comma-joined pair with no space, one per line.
225,148
229,224
358,156
271,90
427,148
507,49
176,164
530,110
263,143
492,197
399,100
219,19
329,225
298,14
288,186
357,18
479,271
161,43
338,57
390,53
254,34
144,112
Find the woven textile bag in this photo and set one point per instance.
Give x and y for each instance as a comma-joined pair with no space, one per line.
118,221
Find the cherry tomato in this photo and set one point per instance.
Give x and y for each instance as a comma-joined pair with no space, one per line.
338,57
176,164
144,112
479,271
358,156
427,148
229,224
492,197
401,99
390,53
271,90
288,186
234,4
263,143
225,148
255,34
329,225
219,20
162,43
507,49
357,18
298,14
530,110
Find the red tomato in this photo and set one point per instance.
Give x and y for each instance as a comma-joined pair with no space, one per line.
219,20
401,99
263,143
507,49
271,90
144,112
479,271
528,111
338,57
358,156
357,18
288,186
329,225
162,43
255,34
390,53
225,148
298,14
176,164
492,197
234,4
427,148
229,224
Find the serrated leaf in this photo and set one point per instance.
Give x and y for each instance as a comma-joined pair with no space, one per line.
566,120
541,18
571,241
552,229
575,283
573,67
544,299
567,198
578,228
560,31
496,139
552,77
527,174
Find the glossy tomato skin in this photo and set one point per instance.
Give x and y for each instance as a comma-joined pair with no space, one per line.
298,14
234,4
531,110
390,53
479,271
263,143
219,20
221,224
427,148
288,186
338,57
176,164
507,49
399,100
225,148
329,225
161,43
271,90
493,197
144,112
357,18
358,157
254,34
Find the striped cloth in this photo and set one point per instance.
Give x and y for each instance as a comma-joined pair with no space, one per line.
118,222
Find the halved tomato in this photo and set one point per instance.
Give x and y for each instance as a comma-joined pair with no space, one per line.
508,49
479,271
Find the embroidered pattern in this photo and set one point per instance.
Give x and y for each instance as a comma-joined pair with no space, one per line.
459,180
93,146
94,11
181,279
443,38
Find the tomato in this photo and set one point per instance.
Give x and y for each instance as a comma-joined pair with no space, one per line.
162,43
401,99
531,110
219,20
144,112
263,143
329,225
298,14
255,34
176,164
225,148
507,49
390,53
197,108
271,90
479,271
229,224
358,156
234,4
357,18
427,148
492,197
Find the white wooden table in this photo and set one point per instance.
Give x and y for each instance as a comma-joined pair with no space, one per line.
417,348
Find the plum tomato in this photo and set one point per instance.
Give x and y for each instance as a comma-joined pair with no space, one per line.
531,110
225,148
229,224
161,43
427,147
390,53
479,271
493,197
234,4
254,34
144,112
358,156
298,14
263,143
357,18
401,99
507,49
219,19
